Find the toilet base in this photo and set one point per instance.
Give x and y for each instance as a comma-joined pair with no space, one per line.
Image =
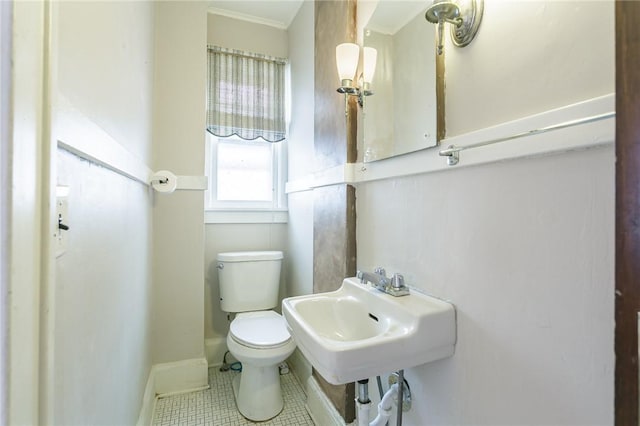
264,405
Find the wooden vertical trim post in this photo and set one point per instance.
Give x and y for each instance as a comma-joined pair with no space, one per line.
627,275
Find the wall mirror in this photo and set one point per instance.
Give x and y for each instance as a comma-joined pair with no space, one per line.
401,115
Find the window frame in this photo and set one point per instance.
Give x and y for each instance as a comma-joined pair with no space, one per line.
243,211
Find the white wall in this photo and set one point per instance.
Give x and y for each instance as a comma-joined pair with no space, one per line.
248,36
301,59
223,237
528,57
524,249
525,252
178,230
301,154
101,336
107,68
103,297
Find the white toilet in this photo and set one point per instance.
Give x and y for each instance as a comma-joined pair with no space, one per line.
258,337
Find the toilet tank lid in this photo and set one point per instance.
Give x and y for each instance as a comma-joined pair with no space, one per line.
247,256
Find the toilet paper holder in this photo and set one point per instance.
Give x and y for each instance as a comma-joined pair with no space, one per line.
164,181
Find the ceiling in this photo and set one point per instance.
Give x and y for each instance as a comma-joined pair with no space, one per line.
391,15
275,13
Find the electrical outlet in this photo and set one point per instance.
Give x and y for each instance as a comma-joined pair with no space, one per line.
61,235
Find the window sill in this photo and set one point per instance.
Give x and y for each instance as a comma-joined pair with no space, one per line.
246,216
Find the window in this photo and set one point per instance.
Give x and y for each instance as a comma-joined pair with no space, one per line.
244,174
244,171
246,127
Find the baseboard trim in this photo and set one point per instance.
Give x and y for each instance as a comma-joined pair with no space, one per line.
172,378
148,402
319,407
181,376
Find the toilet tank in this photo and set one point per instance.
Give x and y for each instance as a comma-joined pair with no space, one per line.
249,280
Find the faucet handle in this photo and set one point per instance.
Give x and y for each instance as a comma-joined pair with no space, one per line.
380,271
397,282
397,287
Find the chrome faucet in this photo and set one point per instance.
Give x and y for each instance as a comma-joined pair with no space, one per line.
394,286
377,278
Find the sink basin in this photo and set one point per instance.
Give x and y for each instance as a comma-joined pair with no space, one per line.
357,332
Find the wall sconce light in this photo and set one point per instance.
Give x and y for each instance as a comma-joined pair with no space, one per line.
347,58
464,15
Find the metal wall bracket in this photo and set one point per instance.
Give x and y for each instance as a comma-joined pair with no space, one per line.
471,14
452,154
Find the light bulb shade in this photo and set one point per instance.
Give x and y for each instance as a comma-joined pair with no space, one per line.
347,55
369,69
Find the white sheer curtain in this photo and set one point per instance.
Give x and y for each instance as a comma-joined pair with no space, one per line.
245,95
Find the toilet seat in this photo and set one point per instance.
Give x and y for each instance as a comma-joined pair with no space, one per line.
260,330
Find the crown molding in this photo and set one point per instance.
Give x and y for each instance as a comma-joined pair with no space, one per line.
249,18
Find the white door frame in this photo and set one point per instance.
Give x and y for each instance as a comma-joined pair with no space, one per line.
27,214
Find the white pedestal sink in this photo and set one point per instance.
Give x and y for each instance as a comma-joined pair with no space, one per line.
357,332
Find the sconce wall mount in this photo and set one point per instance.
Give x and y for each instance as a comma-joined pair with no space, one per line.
463,15
347,59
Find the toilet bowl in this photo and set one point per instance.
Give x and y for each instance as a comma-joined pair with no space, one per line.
258,336
260,341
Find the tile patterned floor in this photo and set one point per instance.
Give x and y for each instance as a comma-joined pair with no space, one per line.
217,407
